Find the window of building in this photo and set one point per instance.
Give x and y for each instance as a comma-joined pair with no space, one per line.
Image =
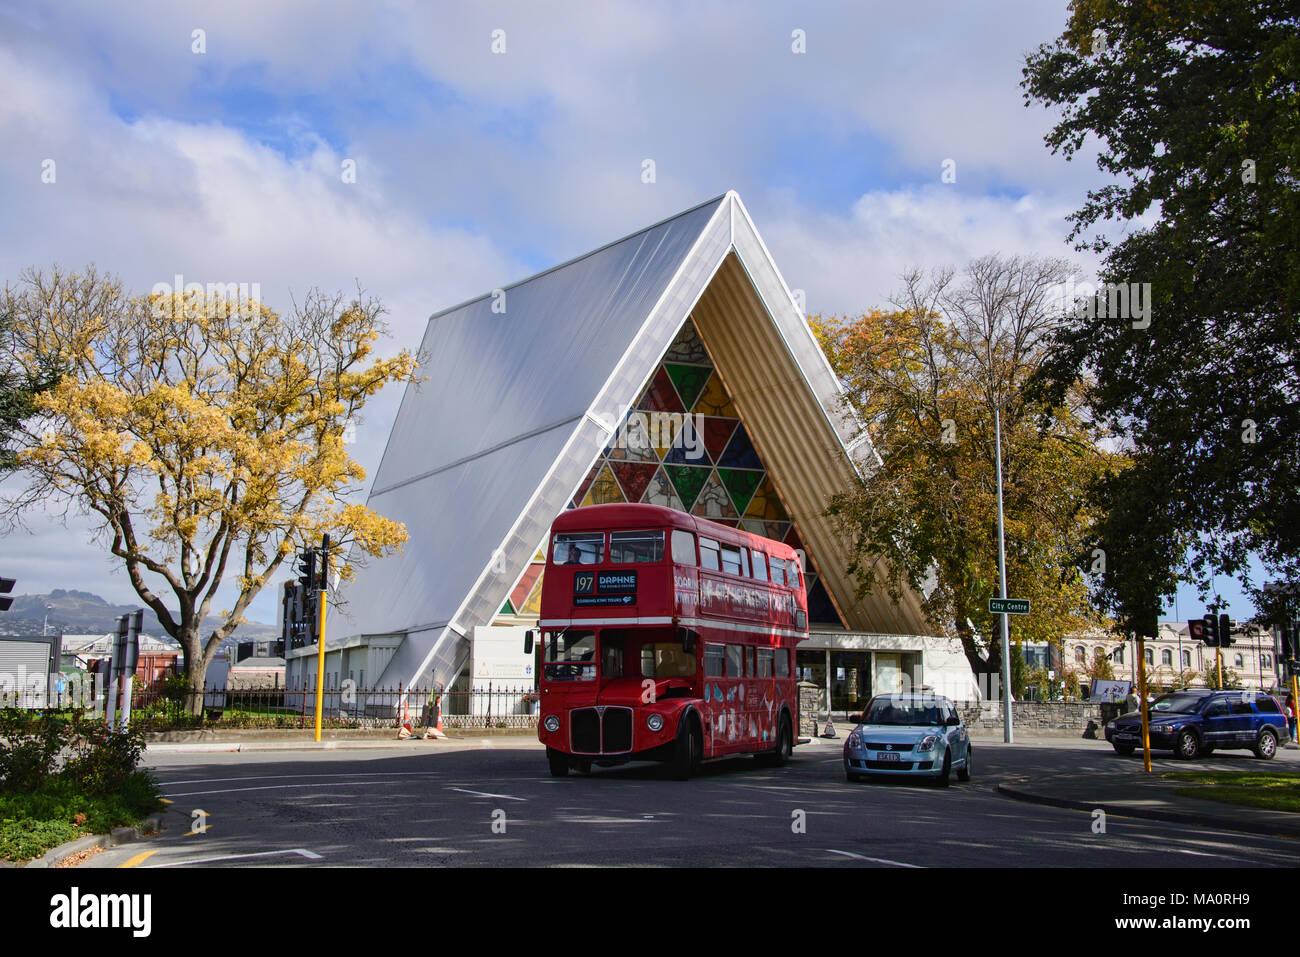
1119,655
683,547
1236,661
1187,659
626,548
713,661
709,556
1266,661
1167,657
1080,654
735,661
1150,656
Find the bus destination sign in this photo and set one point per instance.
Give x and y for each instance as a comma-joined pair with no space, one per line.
604,588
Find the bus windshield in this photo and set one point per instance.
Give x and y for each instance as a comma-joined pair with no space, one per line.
570,656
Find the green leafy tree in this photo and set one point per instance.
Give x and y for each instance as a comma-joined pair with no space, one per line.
926,379
1195,111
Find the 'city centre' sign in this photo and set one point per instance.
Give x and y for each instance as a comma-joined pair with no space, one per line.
1008,606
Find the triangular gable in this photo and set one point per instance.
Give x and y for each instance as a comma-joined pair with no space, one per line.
519,406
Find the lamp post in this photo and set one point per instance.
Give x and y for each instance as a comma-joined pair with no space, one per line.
1008,735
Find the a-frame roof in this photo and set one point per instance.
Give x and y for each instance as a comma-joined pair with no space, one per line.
522,390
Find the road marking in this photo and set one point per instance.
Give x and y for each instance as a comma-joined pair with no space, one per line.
504,797
232,857
277,787
330,774
137,859
165,801
874,860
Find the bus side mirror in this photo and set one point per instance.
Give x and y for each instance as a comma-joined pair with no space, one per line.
528,642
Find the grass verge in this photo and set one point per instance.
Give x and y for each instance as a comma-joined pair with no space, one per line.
32,822
1268,790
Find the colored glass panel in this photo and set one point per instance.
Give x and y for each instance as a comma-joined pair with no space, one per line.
740,452
507,608
661,492
660,396
533,606
688,347
604,490
714,400
688,446
689,381
741,485
632,440
820,608
688,481
586,483
766,505
714,502
717,432
634,477
519,594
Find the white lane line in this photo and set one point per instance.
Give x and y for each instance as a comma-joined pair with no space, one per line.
280,787
232,857
874,860
504,797
340,774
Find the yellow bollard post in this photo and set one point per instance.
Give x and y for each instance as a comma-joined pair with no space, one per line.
1142,703
320,666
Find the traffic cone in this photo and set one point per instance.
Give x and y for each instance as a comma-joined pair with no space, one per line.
436,731
405,731
830,729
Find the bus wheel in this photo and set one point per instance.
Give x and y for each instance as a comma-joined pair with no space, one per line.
784,743
684,752
559,763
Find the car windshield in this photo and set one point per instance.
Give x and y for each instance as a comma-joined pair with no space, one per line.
904,711
1178,703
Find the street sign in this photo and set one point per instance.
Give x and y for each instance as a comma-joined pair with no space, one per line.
1008,606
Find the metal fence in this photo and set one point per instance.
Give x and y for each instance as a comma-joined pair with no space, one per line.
156,709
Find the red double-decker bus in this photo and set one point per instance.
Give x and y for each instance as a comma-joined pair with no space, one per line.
666,637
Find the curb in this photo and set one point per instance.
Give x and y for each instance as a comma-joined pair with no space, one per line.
119,835
1169,817
433,744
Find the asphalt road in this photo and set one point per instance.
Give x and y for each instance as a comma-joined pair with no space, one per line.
494,804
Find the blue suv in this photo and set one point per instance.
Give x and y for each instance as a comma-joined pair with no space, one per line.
1194,722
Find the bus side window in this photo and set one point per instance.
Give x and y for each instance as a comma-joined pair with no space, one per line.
765,661
683,547
709,554
750,670
730,560
744,562
713,661
760,565
778,571
783,663
735,661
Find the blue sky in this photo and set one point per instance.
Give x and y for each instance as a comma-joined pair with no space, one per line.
477,168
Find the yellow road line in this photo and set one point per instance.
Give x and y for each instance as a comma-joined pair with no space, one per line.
137,859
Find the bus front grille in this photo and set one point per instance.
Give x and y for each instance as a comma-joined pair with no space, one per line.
600,730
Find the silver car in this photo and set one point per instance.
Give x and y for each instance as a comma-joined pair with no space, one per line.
908,735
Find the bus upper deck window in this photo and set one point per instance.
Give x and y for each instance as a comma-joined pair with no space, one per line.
760,565
683,547
709,554
579,548
629,547
778,571
731,560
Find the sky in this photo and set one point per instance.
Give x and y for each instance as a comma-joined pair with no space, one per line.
492,140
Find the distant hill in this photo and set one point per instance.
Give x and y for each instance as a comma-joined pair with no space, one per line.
83,613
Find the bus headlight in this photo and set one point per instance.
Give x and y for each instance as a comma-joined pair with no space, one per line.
655,722
552,723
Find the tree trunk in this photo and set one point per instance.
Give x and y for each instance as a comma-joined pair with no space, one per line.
196,669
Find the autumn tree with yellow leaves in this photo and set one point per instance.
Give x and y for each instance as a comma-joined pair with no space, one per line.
925,378
204,435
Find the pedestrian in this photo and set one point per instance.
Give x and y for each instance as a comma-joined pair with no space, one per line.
1131,702
1291,716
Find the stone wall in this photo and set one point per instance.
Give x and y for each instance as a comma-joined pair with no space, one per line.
1048,718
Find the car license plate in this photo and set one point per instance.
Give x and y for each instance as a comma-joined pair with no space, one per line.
888,755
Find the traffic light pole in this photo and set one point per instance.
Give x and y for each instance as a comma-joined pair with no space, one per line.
320,634
1142,703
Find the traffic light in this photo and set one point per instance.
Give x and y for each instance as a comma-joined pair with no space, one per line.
1225,631
1211,626
1288,631
131,659
1196,629
6,586
307,571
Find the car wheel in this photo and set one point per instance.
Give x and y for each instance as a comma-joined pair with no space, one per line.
1266,745
851,777
1188,744
964,773
559,763
1124,749
945,776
